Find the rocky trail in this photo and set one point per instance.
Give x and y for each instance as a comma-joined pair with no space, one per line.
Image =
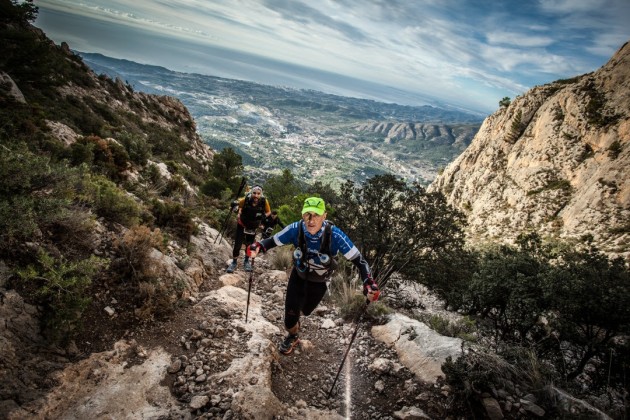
205,361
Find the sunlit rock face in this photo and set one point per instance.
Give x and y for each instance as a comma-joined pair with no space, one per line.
554,161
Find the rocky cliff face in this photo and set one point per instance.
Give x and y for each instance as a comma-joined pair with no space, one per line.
554,161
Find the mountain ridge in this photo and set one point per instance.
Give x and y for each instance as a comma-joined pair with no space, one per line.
554,161
128,66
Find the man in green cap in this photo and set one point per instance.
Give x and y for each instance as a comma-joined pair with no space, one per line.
316,242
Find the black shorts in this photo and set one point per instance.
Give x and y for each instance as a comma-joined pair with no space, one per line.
302,297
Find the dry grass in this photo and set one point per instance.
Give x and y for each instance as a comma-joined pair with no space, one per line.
281,258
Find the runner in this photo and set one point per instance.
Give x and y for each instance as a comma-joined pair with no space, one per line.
317,242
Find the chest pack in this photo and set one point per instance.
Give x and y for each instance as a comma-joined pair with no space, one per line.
327,260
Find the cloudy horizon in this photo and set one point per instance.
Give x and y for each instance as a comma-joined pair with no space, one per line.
468,54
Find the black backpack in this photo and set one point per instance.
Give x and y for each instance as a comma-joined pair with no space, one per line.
251,215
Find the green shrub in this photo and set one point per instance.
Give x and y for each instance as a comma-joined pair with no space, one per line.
173,217
589,296
175,187
213,187
346,293
113,203
152,295
61,287
73,232
81,152
474,374
109,158
464,328
158,299
137,147
505,102
516,127
506,288
587,153
34,193
556,184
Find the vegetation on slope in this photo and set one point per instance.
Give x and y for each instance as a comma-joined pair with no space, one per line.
565,306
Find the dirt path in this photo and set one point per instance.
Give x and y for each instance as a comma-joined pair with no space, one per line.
372,385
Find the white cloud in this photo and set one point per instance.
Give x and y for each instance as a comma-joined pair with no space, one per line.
520,40
426,45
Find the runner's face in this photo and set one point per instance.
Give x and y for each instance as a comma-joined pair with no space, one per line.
256,195
313,222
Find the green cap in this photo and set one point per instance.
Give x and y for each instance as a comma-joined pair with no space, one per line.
315,205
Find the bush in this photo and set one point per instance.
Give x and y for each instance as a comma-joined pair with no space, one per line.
475,374
173,217
213,187
346,293
614,149
73,232
109,158
157,299
507,289
133,250
589,298
402,227
464,328
113,203
61,287
34,193
151,296
137,147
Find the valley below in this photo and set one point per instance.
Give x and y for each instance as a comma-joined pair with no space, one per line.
313,134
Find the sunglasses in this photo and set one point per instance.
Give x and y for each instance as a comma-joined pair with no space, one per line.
314,202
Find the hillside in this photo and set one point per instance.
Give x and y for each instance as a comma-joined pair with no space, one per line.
111,294
555,161
115,302
306,131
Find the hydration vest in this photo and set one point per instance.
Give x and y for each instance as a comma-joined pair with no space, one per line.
302,264
252,215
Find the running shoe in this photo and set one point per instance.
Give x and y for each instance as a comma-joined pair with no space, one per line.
289,343
231,267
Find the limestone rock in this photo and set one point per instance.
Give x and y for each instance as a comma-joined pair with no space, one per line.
555,161
419,348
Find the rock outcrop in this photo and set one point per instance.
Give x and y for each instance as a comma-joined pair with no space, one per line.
555,161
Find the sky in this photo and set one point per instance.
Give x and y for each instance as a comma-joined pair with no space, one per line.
468,54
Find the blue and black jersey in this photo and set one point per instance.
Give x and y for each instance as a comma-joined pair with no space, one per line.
339,243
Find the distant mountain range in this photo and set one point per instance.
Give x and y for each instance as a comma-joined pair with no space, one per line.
306,131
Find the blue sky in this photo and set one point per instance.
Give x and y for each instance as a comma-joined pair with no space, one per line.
466,53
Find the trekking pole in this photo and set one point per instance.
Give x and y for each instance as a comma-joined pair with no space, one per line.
345,355
227,218
249,288
354,334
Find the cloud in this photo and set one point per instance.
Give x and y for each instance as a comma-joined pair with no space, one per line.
301,13
519,40
430,46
